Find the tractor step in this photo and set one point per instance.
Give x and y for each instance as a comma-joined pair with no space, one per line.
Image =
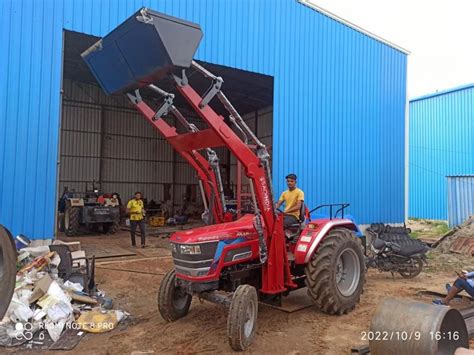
216,297
361,349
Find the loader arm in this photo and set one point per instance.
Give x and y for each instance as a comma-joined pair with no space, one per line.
192,156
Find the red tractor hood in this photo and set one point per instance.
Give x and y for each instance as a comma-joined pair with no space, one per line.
243,227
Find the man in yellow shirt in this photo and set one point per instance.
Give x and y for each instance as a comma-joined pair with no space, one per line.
293,199
136,210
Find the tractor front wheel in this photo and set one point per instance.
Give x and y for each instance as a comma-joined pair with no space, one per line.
173,301
242,319
335,274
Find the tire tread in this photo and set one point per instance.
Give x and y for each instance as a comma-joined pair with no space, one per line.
319,274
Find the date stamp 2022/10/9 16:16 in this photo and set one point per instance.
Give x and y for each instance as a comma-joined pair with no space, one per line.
408,335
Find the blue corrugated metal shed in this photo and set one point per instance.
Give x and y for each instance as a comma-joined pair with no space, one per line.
460,199
339,98
441,131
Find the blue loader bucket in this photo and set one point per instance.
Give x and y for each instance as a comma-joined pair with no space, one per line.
142,50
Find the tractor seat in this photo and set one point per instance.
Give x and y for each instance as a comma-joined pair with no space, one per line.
293,231
301,219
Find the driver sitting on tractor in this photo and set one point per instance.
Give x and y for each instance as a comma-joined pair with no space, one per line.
293,199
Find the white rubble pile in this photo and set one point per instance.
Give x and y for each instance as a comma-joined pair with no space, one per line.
43,301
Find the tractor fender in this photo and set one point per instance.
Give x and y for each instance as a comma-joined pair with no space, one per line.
311,237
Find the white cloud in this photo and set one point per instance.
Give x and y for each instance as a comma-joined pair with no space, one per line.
437,33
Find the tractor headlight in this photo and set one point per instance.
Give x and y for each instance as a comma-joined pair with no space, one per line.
190,249
173,248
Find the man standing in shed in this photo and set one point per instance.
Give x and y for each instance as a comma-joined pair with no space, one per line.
136,210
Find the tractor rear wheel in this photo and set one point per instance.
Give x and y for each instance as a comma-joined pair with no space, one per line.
72,223
335,274
242,319
173,301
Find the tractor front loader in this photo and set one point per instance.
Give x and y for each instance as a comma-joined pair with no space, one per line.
252,259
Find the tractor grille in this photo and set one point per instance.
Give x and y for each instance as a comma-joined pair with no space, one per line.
194,264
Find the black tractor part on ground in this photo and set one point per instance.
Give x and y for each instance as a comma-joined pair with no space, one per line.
399,235
8,257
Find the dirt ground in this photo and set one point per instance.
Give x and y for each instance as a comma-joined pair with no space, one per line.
133,284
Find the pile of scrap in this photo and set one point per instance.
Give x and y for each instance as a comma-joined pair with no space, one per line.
460,240
56,300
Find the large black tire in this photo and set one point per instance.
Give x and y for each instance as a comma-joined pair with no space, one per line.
242,319
336,272
413,270
72,222
173,301
7,269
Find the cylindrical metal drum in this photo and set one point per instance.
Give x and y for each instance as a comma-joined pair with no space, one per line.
413,328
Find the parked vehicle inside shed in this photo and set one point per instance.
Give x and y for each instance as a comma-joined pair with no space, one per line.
82,212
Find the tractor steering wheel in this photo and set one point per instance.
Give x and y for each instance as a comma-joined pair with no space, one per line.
282,212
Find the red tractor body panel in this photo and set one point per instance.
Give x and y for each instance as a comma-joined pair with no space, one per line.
314,233
241,235
229,230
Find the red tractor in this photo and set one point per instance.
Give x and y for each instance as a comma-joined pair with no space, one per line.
252,259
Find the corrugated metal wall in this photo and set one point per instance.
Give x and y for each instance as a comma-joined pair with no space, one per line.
104,140
460,199
441,144
261,122
339,98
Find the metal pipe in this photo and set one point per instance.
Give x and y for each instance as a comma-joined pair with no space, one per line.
214,162
411,328
203,70
233,120
258,226
158,90
225,101
190,127
203,195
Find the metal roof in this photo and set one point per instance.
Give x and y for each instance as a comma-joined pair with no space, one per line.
443,92
354,26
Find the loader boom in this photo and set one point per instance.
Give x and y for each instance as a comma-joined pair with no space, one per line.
192,156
